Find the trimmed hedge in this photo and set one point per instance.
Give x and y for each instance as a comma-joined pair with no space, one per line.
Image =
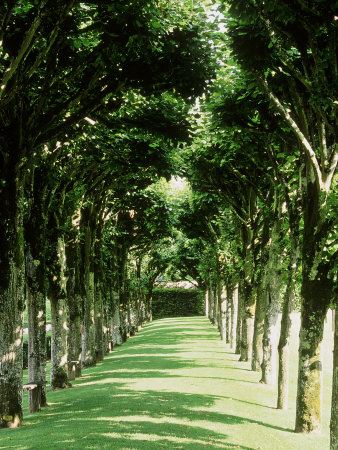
177,303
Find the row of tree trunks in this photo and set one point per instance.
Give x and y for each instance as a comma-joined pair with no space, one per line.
80,325
311,334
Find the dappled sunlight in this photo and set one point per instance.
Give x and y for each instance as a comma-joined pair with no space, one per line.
64,360
8,357
167,389
172,439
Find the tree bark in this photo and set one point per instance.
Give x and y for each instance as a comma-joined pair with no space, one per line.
116,323
239,318
285,329
206,303
234,314
74,304
35,253
270,339
317,292
12,281
257,345
249,299
88,325
74,345
309,392
58,301
211,304
273,287
36,309
88,357
99,288
98,311
247,332
59,350
223,314
229,311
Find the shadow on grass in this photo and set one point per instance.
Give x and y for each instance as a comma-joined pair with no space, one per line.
104,411
120,415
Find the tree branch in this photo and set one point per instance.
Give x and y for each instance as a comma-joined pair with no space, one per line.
287,117
25,49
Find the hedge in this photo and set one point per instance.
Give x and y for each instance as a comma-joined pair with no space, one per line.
177,303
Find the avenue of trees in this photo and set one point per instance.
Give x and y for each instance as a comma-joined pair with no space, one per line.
102,101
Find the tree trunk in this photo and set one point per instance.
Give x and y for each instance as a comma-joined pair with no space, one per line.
59,350
11,307
213,306
98,311
58,301
239,318
74,346
270,339
273,287
210,304
228,314
285,329
216,308
309,392
206,303
334,406
99,291
36,309
234,315
317,292
257,344
249,300
247,332
88,324
12,281
35,251
223,314
106,330
116,325
74,305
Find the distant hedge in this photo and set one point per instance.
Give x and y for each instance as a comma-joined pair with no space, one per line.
177,303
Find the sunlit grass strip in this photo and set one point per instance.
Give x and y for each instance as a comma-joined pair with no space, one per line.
174,385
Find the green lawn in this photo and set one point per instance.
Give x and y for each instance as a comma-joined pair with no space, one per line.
174,385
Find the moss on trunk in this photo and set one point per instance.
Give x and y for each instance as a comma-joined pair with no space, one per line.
11,300
309,392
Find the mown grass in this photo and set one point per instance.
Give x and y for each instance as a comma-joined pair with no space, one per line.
174,385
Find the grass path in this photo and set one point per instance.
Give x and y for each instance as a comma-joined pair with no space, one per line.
175,385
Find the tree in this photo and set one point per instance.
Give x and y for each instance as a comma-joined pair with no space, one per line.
59,62
290,50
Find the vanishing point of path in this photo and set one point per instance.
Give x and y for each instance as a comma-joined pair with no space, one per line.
174,385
